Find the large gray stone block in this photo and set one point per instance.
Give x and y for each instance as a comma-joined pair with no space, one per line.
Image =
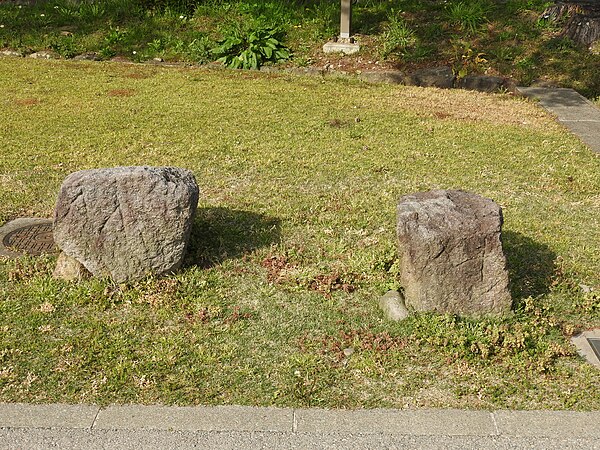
126,222
451,253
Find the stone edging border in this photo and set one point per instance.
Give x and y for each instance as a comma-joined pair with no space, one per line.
420,422
440,77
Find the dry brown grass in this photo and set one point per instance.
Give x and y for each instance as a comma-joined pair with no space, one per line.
469,106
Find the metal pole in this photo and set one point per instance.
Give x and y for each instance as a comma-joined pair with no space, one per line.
346,19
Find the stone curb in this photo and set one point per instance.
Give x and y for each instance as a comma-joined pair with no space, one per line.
421,422
439,77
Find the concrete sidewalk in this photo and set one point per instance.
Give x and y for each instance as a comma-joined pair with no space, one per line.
88,426
573,110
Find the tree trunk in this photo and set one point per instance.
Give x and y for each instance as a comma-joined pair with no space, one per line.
581,19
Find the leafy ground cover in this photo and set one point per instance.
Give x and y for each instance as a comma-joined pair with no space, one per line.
294,243
503,37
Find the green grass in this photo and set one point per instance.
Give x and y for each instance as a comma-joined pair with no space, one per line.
497,37
294,243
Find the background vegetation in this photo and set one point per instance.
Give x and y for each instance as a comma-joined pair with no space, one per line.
508,37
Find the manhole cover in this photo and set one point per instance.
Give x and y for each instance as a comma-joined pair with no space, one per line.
595,344
588,345
32,239
30,236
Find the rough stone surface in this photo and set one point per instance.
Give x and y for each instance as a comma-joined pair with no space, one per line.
309,71
384,76
69,269
91,56
44,55
483,83
451,253
120,59
441,77
126,222
392,304
10,53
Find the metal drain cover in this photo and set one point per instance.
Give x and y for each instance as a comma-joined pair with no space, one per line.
27,236
595,344
588,345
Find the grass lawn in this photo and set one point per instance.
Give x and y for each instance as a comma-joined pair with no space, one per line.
294,243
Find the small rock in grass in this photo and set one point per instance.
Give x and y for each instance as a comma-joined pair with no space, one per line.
392,304
585,288
10,53
69,269
90,56
44,55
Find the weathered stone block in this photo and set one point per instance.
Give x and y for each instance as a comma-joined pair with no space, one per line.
482,83
440,77
451,253
384,76
126,222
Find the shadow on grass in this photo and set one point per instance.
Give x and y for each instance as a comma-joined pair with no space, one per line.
222,233
530,266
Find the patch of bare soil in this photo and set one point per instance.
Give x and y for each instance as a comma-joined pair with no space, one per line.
121,93
27,101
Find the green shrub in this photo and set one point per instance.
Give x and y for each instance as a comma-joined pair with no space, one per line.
198,49
65,46
252,49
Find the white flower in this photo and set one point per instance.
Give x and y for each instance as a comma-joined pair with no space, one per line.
134,52
182,17
56,7
42,15
1,26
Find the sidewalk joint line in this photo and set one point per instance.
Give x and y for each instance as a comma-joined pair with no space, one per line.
580,121
493,414
294,421
95,419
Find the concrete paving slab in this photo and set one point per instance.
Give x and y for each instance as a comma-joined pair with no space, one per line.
426,422
198,418
571,109
20,415
550,424
588,132
36,439
559,98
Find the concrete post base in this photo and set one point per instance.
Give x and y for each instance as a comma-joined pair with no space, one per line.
345,46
